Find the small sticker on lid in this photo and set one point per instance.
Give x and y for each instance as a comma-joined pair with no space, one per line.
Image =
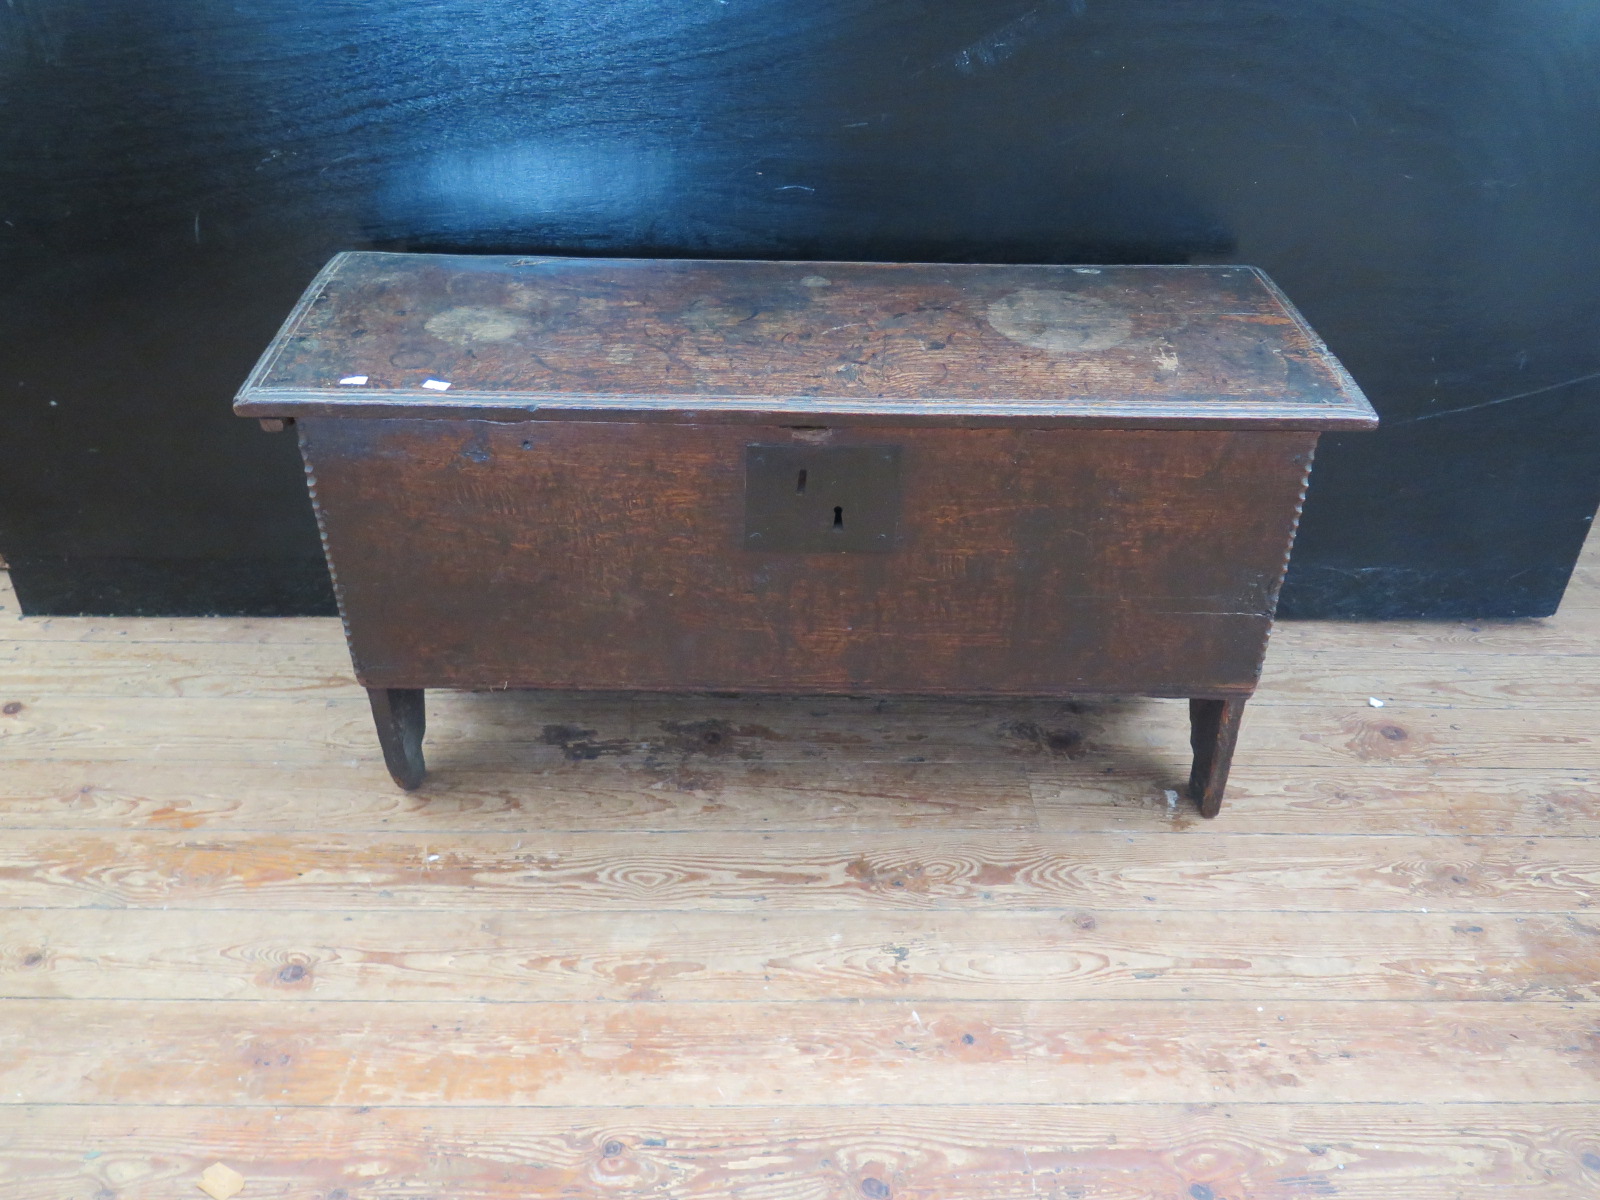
436,385
353,381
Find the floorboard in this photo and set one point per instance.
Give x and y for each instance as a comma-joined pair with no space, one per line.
757,872
799,1052
1286,1151
518,956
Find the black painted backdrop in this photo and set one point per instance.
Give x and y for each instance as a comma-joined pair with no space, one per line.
1422,176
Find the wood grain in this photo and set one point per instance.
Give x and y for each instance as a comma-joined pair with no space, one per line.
753,873
1050,792
534,729
571,796
1025,480
884,1052
1333,678
1338,678
203,631
1570,632
700,919
641,339
1012,570
1573,632
1262,798
988,1152
516,955
182,669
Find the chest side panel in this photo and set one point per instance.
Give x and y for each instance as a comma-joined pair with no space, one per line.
616,556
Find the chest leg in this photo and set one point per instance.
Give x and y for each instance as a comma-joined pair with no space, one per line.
1213,731
400,716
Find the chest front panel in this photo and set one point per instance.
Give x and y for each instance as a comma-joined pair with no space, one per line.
473,553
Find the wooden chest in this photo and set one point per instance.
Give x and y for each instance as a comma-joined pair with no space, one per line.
803,477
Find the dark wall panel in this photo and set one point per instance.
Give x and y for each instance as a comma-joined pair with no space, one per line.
1422,176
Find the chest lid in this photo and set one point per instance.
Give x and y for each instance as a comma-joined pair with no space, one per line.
535,338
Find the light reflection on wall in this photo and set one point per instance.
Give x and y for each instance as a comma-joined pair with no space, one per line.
537,189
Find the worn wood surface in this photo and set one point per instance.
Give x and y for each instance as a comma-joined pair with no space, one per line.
1286,1151
952,871
797,1052
1090,795
619,957
1029,480
636,339
667,739
321,668
510,955
478,554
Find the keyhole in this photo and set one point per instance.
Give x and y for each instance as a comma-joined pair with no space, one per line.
800,483
838,517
